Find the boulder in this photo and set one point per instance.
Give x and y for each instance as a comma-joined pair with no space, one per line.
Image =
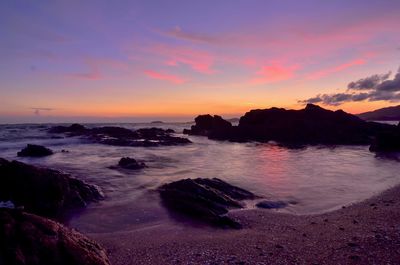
43,191
30,239
34,150
205,199
130,163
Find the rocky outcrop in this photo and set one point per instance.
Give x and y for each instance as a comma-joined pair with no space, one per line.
34,150
204,199
215,127
30,239
120,136
43,191
311,125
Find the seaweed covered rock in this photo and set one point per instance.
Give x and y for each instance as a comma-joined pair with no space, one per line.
43,191
204,199
30,239
34,150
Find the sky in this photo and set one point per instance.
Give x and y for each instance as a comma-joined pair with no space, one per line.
66,61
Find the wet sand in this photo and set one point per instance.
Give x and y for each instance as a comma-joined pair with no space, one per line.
364,233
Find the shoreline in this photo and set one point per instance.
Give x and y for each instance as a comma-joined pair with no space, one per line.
365,232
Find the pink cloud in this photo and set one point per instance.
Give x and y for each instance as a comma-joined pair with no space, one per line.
166,77
96,67
199,61
274,72
335,69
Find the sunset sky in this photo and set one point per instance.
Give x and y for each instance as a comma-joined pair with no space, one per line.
145,60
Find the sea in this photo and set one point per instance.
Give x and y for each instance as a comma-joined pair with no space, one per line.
313,180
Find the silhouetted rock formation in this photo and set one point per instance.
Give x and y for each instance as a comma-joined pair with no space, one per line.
123,137
311,125
34,150
384,114
215,127
388,141
204,199
30,239
43,191
130,163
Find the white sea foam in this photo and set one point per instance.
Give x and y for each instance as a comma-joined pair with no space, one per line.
7,204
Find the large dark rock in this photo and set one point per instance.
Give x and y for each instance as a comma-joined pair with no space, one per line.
311,125
130,163
34,150
386,142
43,191
204,199
33,240
214,127
112,135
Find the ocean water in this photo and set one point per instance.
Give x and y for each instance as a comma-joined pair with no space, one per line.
314,179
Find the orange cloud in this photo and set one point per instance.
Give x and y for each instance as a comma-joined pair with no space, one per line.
274,73
335,69
163,76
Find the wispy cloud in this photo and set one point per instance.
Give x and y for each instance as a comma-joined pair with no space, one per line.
179,33
97,66
274,72
335,69
37,111
198,60
164,76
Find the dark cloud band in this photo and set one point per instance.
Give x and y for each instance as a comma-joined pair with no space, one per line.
374,88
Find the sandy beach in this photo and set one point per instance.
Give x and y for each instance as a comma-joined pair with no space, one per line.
367,232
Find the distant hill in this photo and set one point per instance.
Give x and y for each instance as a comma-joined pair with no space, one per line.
384,114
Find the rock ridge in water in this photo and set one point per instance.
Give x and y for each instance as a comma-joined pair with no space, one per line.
120,136
207,200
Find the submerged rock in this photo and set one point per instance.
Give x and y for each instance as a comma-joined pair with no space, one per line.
30,239
205,199
43,191
130,163
272,204
34,150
